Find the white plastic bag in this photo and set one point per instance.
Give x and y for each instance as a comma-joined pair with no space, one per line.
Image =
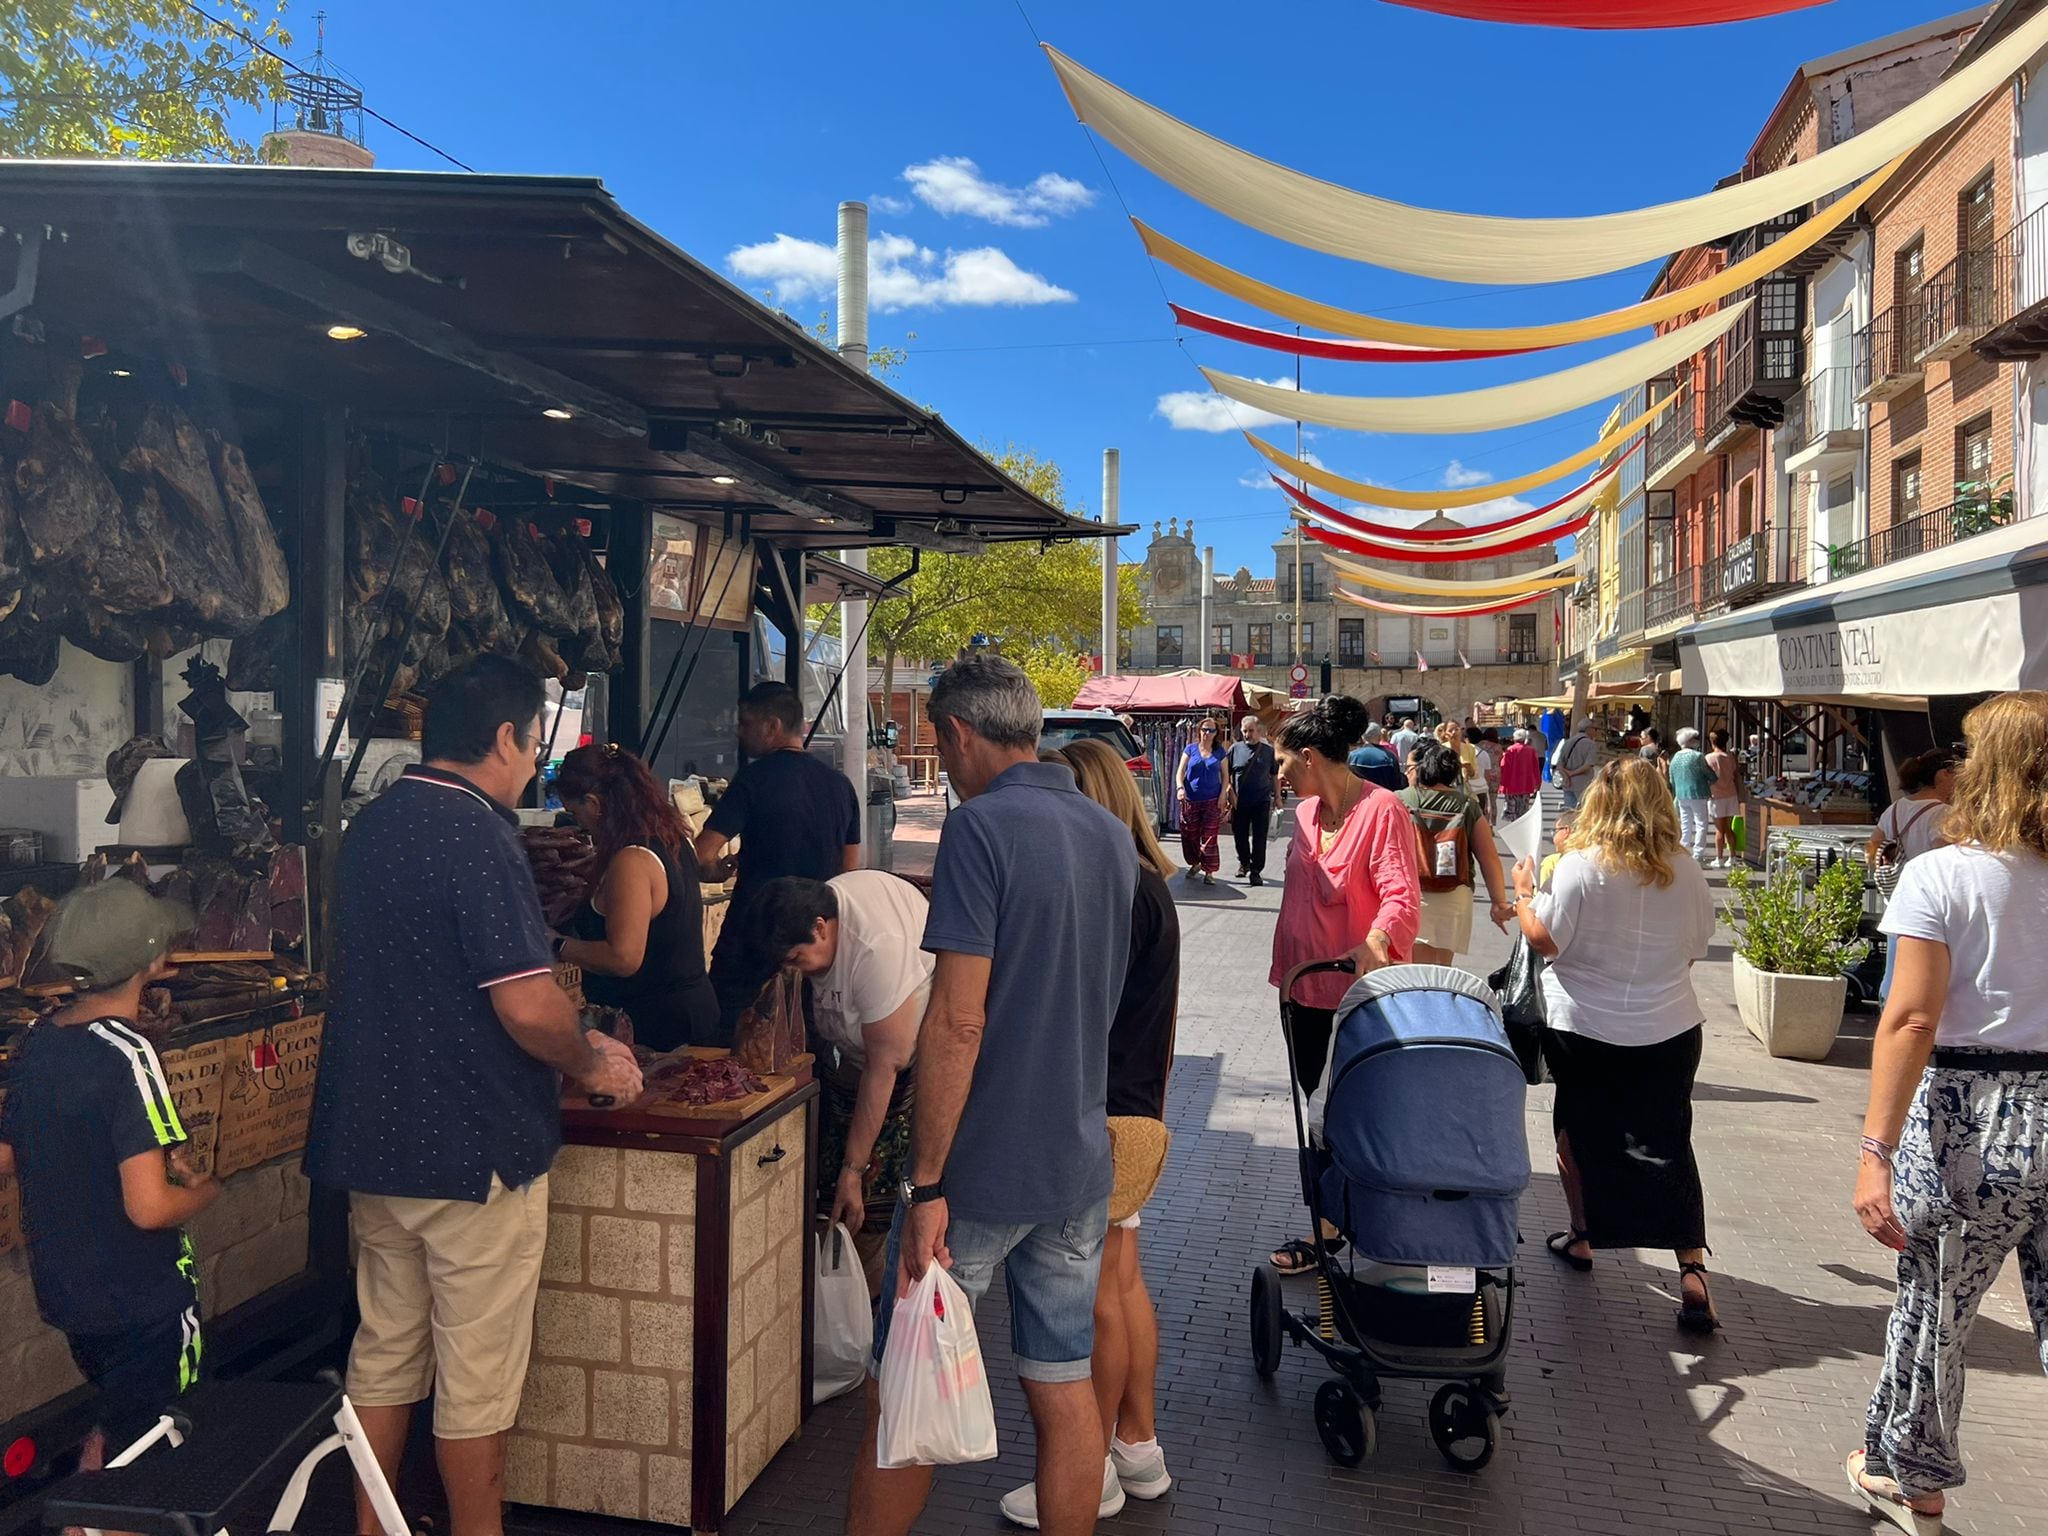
843,1319
936,1409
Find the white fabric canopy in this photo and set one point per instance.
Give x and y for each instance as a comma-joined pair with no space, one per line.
1467,548
1562,574
1485,410
1482,248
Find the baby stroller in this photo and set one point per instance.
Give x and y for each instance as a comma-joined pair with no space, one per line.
1414,1148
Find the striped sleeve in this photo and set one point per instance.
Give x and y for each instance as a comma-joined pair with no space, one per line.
139,1097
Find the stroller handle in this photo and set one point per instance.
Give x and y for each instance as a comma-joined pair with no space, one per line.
1347,966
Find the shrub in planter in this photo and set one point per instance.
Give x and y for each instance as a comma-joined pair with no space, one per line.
1795,943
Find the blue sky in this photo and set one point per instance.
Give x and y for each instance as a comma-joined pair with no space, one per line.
1037,318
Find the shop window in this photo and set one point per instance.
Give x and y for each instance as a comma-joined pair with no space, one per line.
1351,642
1167,645
1260,638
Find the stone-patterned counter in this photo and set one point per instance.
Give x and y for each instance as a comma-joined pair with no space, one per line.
671,1353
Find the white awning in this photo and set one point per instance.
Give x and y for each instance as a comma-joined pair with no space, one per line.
1969,618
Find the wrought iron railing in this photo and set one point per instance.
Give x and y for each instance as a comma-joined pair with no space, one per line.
1751,566
1916,536
1826,406
1675,431
1966,298
1675,597
1888,346
2019,265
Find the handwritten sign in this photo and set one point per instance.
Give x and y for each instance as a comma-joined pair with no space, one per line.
267,1102
198,1082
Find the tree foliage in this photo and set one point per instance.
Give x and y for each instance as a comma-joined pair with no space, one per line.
134,79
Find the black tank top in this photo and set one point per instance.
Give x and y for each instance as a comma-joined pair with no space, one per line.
669,999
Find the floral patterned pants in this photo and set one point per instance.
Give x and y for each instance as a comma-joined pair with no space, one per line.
1970,1185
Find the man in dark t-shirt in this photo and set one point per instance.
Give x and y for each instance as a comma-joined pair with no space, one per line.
1251,797
793,815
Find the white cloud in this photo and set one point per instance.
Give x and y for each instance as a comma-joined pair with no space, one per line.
1457,476
901,275
1203,410
951,184
1259,480
1497,510
882,202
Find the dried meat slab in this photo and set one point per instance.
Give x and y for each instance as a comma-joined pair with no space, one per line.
532,590
63,498
255,540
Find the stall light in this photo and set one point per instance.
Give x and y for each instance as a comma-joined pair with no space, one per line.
119,373
557,413
346,333
724,480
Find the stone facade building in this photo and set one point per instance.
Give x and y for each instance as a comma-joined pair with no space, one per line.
1371,656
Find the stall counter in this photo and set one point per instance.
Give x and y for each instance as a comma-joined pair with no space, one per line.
671,1355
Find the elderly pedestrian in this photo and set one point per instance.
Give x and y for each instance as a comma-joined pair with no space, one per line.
439,1101
1521,777
1456,841
1373,761
1250,798
1010,1159
1625,919
1692,787
1404,740
1953,1173
1126,1361
1575,762
1353,887
1202,784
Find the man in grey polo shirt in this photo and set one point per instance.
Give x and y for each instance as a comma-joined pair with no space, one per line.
1031,924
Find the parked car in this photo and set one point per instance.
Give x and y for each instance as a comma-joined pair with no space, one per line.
1065,725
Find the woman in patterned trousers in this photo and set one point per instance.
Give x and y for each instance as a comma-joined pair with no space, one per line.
1954,1163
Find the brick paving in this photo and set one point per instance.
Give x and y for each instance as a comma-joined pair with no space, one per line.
1620,1424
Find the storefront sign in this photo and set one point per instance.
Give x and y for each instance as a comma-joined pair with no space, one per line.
267,1099
1974,647
1742,565
1404,706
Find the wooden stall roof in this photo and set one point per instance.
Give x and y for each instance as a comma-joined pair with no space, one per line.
485,301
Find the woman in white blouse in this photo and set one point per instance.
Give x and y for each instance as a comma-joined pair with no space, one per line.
1954,1165
1626,916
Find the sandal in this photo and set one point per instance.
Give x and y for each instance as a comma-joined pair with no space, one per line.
1885,1499
1696,1316
1298,1256
1561,1244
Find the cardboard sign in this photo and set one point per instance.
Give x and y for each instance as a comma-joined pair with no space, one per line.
198,1082
268,1077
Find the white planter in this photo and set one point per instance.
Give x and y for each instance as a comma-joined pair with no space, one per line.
1794,1016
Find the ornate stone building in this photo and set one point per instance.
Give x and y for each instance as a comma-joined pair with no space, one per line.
1253,622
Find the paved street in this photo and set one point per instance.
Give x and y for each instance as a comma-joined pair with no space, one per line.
1620,1424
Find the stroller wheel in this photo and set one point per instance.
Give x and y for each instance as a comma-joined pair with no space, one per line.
1349,1429
1464,1426
1265,1321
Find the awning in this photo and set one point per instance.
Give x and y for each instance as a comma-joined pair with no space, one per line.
827,580
1969,618
1170,693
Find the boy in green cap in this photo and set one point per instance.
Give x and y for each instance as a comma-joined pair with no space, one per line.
106,1179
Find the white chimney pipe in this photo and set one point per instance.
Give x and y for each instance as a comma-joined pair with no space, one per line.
1208,594
853,688
1112,487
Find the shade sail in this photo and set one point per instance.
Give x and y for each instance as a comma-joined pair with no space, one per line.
1487,410
1463,611
1480,248
1461,537
1604,14
1467,496
1437,555
1562,574
1340,350
1174,693
1451,341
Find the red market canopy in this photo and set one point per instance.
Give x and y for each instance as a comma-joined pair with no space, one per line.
1175,693
1611,13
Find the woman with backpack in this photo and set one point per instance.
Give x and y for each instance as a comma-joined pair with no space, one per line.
1909,826
1453,836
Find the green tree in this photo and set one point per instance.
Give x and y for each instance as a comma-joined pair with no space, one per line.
134,79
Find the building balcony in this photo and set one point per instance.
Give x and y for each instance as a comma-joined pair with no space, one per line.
1677,445
1672,601
1763,360
1753,567
2019,273
1887,353
1823,425
1963,301
1918,535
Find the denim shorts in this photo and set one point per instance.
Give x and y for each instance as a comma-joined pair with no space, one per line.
1050,1270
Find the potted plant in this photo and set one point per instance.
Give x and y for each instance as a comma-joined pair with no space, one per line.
1795,944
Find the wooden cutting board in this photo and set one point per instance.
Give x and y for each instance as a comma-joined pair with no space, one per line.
735,1110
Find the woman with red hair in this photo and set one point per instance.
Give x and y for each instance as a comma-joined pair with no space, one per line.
639,934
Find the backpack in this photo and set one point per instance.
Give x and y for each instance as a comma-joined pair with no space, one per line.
1445,852
1891,853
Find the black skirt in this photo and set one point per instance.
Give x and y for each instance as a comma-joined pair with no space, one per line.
1626,1111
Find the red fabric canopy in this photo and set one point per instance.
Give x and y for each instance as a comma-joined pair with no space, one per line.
1432,555
1345,594
1436,535
1337,349
1604,14
1177,694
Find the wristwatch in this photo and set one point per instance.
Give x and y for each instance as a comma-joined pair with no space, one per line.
922,1194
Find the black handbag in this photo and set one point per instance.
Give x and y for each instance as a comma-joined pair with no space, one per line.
1519,985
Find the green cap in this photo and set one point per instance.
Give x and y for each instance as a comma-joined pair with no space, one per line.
103,934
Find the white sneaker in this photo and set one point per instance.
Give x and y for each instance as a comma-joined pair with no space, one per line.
1020,1505
1140,1468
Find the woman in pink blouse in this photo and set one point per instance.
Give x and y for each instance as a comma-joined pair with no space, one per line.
1353,887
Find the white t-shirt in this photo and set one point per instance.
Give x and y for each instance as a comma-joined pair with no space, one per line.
1991,910
1623,971
1912,824
880,961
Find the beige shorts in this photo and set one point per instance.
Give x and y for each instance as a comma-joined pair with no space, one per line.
1447,920
446,1289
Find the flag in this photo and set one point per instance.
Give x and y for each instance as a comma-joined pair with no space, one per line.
1463,662
1420,664
1375,657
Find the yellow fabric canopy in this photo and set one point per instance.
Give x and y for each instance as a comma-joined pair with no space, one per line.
1465,496
1479,248
1666,306
1487,410
1359,600
1562,574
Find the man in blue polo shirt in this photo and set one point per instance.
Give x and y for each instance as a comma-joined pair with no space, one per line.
439,1102
1010,1163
